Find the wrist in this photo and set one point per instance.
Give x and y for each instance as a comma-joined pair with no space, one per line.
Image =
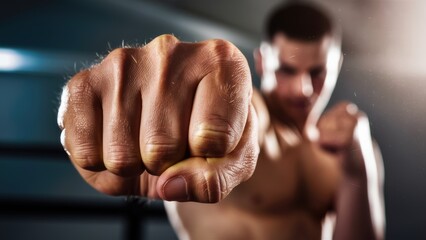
353,165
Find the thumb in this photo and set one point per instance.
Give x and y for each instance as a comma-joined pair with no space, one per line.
210,180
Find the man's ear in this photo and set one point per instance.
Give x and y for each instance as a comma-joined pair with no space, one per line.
258,61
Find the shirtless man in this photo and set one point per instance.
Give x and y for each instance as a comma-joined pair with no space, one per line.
181,122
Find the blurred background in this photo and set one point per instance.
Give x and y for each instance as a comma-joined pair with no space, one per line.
44,42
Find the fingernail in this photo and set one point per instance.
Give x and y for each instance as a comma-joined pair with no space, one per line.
176,189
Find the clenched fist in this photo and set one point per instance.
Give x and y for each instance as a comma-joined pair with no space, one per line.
344,130
170,120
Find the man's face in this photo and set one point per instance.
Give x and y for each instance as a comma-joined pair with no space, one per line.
300,74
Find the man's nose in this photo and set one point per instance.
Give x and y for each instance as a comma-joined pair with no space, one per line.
302,86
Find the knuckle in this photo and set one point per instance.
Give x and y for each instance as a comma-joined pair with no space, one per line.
166,38
233,174
225,186
224,180
232,66
86,157
221,179
118,55
159,153
122,73
227,53
215,186
120,58
79,84
121,161
218,50
120,61
223,48
163,43
214,139
76,91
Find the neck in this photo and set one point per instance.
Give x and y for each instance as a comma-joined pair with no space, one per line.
283,118
303,126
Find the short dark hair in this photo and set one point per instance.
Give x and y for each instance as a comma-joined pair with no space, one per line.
299,21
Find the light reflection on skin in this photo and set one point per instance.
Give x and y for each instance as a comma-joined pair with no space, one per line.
63,107
271,63
61,111
373,171
63,142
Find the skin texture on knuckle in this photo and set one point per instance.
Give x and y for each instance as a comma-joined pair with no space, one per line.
163,66
163,46
219,133
218,183
235,65
120,144
229,178
87,157
214,138
251,155
165,40
238,166
118,55
224,56
226,51
84,152
81,96
215,185
232,174
78,87
123,160
116,61
251,147
117,72
158,151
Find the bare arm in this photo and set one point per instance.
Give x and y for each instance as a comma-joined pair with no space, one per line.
359,207
360,204
359,210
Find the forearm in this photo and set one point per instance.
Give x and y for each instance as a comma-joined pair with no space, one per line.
345,131
353,216
359,202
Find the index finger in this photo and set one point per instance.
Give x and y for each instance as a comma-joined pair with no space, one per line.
221,103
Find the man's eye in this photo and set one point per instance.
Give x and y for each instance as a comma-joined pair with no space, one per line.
316,73
286,71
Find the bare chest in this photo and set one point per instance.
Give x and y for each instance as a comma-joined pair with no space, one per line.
286,198
301,177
